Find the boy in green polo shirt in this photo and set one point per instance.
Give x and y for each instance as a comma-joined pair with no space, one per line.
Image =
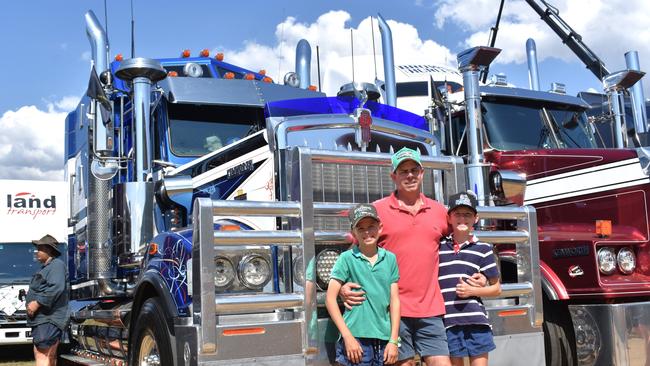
369,332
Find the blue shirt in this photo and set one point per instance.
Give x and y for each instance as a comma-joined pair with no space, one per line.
473,256
49,287
370,319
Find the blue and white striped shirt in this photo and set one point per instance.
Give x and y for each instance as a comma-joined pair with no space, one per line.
473,256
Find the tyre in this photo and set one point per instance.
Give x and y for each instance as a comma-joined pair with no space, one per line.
559,339
151,339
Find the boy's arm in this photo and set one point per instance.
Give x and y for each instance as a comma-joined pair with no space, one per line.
333,307
394,311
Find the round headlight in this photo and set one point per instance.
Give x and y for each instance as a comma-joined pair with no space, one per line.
626,260
324,263
254,271
193,70
298,273
606,260
224,273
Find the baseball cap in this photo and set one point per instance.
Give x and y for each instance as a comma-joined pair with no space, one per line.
362,211
403,155
463,199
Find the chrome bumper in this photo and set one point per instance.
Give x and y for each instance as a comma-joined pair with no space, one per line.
617,334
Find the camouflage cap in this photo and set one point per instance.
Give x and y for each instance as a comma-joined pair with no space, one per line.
463,199
362,211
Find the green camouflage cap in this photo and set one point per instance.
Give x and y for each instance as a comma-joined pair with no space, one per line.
362,211
403,155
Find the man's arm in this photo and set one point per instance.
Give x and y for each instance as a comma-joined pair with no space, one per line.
351,297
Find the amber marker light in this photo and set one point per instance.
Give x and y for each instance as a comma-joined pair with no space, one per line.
604,228
186,53
229,75
243,331
219,56
119,57
312,88
153,248
172,74
229,228
267,79
205,53
249,76
262,72
514,312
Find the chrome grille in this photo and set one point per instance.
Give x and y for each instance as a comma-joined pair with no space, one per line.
353,184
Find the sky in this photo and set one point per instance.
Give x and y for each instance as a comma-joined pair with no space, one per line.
45,55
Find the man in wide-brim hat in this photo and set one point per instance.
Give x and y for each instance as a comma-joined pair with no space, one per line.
47,301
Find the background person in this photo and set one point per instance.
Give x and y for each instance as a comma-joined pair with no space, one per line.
47,301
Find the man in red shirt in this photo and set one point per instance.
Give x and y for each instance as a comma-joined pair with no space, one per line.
413,226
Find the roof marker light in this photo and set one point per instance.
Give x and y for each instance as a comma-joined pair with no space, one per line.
267,79
262,72
186,53
119,57
249,76
219,56
204,53
229,75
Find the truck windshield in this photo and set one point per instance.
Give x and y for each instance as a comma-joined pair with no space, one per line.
18,262
196,130
533,125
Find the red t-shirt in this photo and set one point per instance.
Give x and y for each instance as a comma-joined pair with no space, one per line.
415,241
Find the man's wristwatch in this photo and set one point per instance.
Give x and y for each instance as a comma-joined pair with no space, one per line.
397,342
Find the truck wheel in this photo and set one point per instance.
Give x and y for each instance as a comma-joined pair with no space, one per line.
153,341
558,336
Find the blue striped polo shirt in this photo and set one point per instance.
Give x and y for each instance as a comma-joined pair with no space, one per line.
473,256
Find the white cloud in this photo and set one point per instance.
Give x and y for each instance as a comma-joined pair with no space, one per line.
331,32
31,146
85,56
608,27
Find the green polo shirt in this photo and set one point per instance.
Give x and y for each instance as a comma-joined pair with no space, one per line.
371,319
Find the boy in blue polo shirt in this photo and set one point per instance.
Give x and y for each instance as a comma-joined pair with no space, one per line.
461,255
369,332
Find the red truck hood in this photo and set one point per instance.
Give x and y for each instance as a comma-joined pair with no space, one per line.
563,173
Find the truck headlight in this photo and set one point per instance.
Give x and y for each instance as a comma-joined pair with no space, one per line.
606,260
626,260
298,273
224,273
254,271
324,263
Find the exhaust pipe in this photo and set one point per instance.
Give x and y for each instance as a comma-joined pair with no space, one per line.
531,55
98,42
389,61
303,63
470,64
638,99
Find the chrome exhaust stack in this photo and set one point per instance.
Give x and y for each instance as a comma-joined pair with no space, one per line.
614,85
134,199
303,63
389,61
636,94
470,64
531,56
